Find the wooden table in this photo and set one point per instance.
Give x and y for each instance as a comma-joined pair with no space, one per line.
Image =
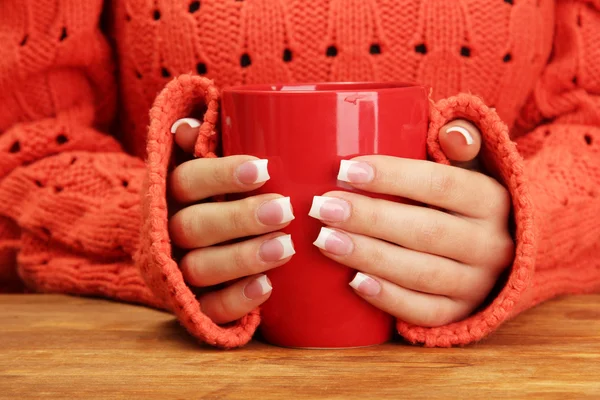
69,347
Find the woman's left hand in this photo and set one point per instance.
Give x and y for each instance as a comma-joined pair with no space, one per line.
428,266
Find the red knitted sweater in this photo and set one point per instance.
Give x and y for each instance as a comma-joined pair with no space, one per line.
81,82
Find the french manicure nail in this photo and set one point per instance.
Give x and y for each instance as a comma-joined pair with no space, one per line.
355,172
334,242
257,288
365,285
252,172
276,212
463,131
192,122
277,249
329,209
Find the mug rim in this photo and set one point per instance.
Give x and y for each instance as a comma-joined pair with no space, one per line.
319,87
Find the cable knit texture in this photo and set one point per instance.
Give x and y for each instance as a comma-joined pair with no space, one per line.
73,203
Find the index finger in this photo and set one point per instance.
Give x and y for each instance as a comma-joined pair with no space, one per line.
202,178
455,189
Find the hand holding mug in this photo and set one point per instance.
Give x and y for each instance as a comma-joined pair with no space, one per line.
426,266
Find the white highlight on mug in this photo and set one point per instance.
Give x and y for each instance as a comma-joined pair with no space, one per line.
324,234
286,206
288,246
263,170
462,131
192,122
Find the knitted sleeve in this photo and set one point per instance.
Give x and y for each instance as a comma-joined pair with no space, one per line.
552,173
183,96
69,195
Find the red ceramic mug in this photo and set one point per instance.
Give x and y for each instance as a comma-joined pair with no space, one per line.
305,130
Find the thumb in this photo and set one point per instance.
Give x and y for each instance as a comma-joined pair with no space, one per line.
460,141
186,133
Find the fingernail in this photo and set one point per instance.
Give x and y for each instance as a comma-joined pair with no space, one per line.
251,172
258,287
329,209
334,242
276,212
365,285
463,131
277,249
192,122
355,172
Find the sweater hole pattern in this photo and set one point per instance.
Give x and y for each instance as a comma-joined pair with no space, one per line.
375,49
194,6
245,60
15,148
62,139
201,69
421,48
588,139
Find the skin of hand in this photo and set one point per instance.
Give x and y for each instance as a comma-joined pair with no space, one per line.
429,266
425,265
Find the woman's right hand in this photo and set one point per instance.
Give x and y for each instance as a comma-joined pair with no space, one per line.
203,229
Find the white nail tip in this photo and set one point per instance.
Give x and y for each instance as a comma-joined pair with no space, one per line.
462,131
317,203
286,206
265,287
263,170
288,246
323,236
358,279
344,167
193,122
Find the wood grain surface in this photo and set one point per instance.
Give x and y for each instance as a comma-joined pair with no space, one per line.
55,346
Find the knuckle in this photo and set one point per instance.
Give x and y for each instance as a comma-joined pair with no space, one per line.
241,261
431,232
423,279
189,267
431,279
179,228
377,256
373,217
218,176
220,307
492,250
505,249
181,182
237,221
500,202
441,184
